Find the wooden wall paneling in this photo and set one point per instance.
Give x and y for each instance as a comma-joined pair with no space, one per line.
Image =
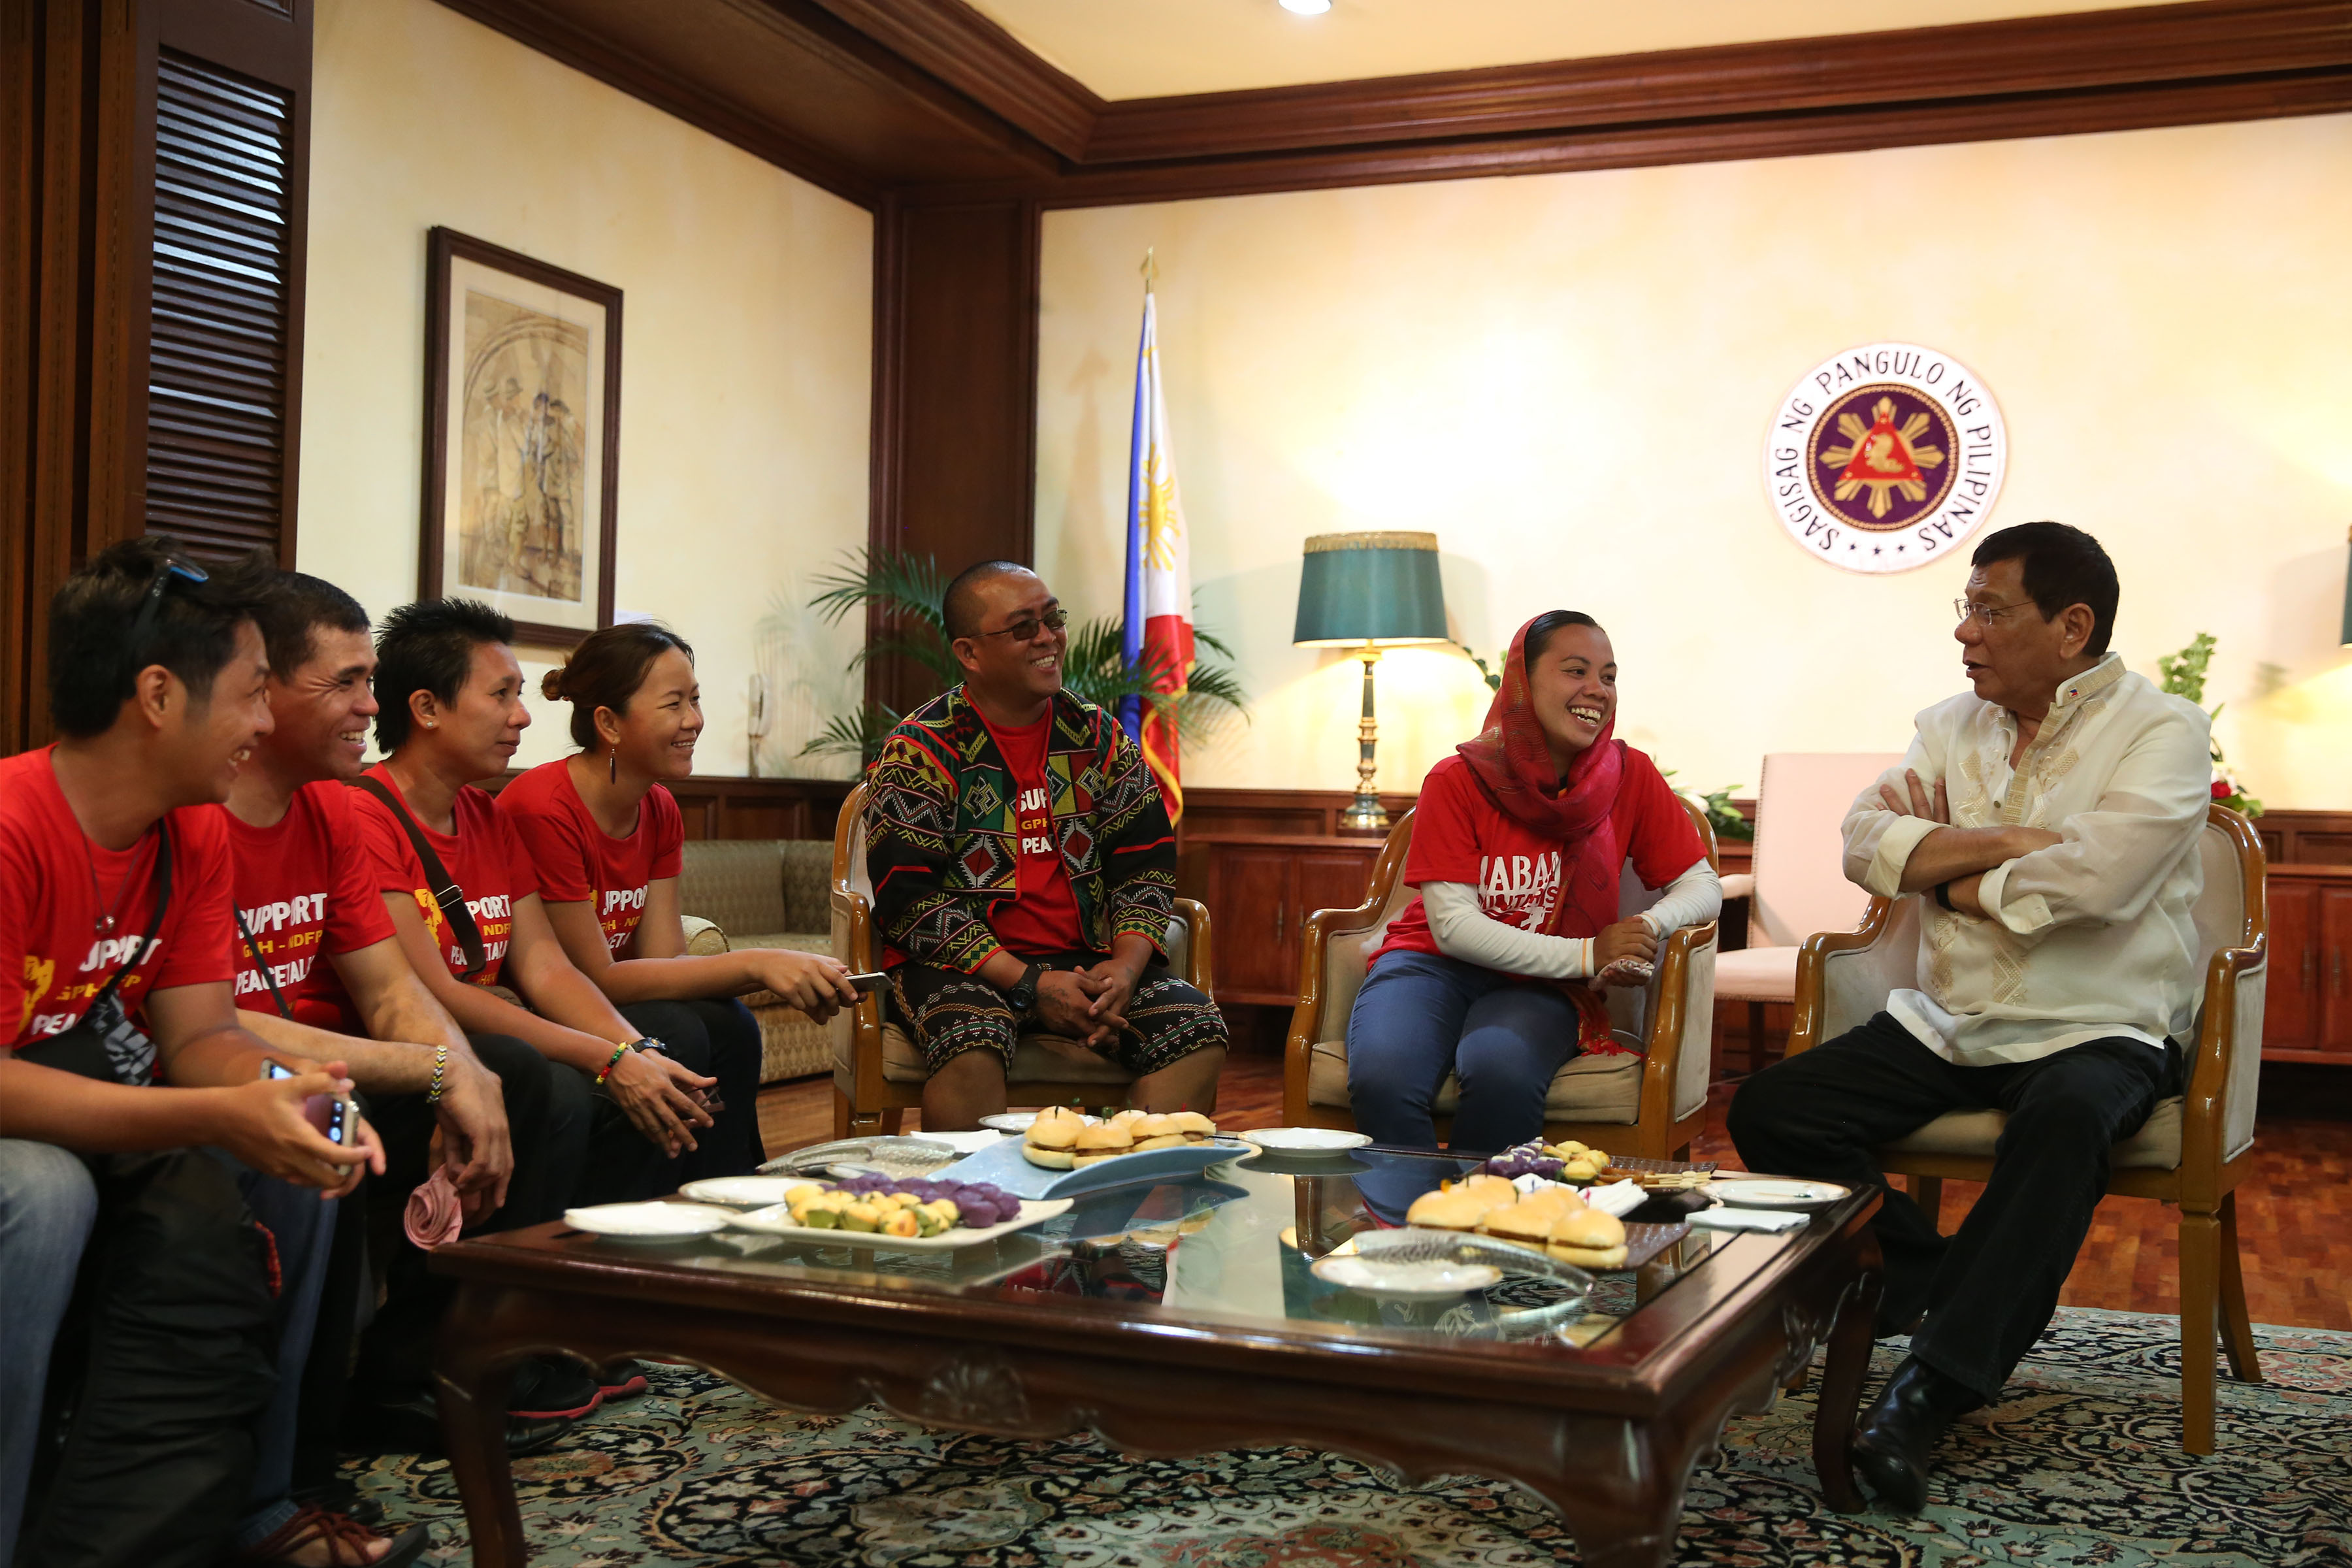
969,53
2335,977
2077,53
955,389
22,170
2306,837
727,806
2290,1000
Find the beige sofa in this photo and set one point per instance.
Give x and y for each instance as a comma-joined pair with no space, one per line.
764,892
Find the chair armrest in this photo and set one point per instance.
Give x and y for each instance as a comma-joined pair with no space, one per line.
2224,1070
1199,971
857,1031
1681,1041
708,933
1837,970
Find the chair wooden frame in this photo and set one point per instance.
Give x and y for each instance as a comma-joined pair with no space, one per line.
2203,1186
866,1101
1656,1134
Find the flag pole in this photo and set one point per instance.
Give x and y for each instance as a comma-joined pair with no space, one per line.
1150,268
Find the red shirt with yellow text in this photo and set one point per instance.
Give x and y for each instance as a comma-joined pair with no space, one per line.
484,857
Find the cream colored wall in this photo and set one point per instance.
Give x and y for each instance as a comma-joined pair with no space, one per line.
1568,378
745,356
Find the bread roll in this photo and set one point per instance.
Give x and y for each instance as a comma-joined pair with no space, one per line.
1453,1210
1050,1143
1104,1142
1497,1188
1195,1127
1551,1202
1520,1222
1156,1132
1588,1239
1058,1113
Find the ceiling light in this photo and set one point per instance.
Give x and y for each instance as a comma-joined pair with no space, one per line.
1307,7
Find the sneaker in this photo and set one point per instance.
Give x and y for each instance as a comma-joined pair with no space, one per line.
553,1388
622,1380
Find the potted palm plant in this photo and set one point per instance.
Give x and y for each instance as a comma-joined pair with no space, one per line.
908,592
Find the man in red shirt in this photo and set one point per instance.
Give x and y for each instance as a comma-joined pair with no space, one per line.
317,952
115,954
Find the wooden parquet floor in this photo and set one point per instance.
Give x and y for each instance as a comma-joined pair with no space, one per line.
2295,1212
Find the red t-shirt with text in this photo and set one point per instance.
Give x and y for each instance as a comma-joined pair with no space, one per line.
1459,835
1042,917
576,861
54,885
484,857
306,890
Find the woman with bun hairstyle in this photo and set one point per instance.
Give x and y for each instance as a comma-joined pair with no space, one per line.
606,838
451,713
1489,972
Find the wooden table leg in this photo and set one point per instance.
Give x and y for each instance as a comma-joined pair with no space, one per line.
1842,1373
470,1385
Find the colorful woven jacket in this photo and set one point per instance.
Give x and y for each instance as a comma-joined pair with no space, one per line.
941,846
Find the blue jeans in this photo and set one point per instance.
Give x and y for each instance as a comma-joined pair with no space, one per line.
1421,1016
48,1203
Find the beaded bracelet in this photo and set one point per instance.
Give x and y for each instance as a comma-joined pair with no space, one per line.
623,1050
440,1068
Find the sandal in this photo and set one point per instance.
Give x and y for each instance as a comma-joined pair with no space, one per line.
622,1380
346,1538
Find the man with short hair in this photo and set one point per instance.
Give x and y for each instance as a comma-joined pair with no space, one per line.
1024,867
318,953
115,957
2050,823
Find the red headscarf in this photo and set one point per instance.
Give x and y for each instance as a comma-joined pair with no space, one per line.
1512,759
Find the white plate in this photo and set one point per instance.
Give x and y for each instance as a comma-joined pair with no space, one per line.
1305,1139
1774,1192
778,1221
648,1222
1435,1282
1016,1122
744,1192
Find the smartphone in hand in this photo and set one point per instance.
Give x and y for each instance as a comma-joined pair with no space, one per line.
866,985
333,1114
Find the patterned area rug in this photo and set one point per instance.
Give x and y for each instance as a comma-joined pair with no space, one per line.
2080,1465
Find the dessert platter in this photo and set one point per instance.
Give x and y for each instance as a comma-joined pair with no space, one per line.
1554,1221
915,1216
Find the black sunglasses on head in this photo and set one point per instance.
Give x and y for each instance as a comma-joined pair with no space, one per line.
153,605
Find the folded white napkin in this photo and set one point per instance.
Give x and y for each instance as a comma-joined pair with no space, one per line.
1722,1217
1618,1198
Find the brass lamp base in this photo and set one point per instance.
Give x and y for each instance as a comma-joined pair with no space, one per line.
1365,814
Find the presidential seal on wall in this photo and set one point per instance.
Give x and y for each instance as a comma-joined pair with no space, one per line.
1884,458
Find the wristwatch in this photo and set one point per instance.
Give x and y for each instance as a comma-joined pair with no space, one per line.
1023,994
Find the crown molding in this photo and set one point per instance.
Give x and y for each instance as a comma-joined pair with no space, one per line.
967,51
2082,52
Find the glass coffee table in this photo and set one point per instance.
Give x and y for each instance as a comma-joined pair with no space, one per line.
1189,1317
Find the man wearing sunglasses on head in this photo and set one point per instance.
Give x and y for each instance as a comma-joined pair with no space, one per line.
1024,870
198,1177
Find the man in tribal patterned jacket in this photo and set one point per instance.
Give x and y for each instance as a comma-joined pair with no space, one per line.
1024,867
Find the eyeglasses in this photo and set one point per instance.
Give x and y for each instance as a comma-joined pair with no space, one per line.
1983,614
153,605
1026,630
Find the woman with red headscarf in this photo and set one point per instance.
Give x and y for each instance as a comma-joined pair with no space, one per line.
1489,972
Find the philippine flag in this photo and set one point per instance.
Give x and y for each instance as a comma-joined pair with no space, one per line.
1158,630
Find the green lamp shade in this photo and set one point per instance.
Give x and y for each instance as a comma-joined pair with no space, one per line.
1371,587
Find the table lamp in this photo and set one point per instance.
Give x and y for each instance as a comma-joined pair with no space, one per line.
1369,591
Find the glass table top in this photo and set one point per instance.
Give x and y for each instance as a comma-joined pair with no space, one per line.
1236,1248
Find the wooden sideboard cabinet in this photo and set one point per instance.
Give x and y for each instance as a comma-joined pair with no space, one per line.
2308,1006
1260,889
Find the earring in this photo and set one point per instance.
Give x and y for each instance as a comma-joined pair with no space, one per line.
431,725
613,764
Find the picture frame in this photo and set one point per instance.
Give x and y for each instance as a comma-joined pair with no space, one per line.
522,438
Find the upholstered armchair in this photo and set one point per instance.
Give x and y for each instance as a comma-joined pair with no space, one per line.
2193,1150
1798,886
878,1072
1648,1106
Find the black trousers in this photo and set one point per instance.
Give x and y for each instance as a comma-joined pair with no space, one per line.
176,1330
548,1111
714,1036
1989,1290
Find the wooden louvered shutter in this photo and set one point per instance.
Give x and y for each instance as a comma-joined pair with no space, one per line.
225,313
219,339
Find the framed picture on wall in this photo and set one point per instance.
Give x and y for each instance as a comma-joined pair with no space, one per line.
522,438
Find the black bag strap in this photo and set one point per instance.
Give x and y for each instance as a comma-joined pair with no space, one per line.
446,891
154,920
262,965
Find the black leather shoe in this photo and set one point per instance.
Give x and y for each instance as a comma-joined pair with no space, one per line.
414,1425
1898,1432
